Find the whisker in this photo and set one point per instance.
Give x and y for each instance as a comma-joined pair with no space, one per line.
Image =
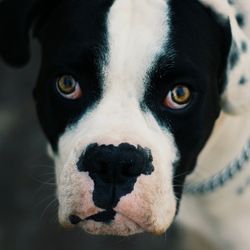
44,187
45,199
178,185
48,174
50,204
43,166
43,182
165,237
180,175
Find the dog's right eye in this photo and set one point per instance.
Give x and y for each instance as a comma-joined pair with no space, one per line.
68,87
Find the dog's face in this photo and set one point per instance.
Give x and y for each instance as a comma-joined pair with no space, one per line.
128,94
123,144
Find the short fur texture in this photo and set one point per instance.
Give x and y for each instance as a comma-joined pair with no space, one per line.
126,56
222,217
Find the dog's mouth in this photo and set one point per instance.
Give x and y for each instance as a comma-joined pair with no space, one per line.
105,217
108,222
123,205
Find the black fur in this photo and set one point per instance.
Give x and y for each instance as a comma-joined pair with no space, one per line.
15,21
244,47
106,216
234,56
200,49
72,36
72,43
240,19
243,80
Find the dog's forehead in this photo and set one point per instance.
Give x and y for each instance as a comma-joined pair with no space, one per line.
79,30
84,22
137,31
127,35
116,46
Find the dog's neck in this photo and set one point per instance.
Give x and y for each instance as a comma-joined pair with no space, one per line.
226,209
230,133
228,139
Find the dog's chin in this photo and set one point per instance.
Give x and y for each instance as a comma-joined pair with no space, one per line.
119,226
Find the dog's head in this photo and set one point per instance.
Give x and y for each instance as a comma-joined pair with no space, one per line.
127,95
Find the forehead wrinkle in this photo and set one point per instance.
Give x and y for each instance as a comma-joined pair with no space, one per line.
137,33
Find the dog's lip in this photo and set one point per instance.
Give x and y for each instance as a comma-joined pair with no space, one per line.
145,227
131,219
100,217
105,216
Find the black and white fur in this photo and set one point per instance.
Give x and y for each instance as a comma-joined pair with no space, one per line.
127,55
222,218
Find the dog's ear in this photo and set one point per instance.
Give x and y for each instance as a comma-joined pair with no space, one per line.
15,22
236,79
17,18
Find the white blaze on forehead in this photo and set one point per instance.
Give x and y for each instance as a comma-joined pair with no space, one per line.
137,33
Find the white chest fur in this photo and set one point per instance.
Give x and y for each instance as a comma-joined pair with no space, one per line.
222,217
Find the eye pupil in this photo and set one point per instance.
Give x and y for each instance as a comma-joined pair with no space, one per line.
181,94
67,84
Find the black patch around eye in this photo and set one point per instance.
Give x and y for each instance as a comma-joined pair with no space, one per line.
240,19
56,112
198,63
73,42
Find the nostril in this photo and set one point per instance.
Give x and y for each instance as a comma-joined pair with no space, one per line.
115,163
74,220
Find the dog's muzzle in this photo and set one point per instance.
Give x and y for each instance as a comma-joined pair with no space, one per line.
114,170
116,189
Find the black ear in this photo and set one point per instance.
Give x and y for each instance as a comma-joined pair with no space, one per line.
15,22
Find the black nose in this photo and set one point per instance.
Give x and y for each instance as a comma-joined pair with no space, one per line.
114,170
116,164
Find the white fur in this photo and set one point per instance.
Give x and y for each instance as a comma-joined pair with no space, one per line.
222,217
243,8
235,99
137,32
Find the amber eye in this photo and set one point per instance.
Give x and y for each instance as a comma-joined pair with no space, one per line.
179,97
68,87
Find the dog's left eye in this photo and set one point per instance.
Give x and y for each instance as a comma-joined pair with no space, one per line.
68,87
178,98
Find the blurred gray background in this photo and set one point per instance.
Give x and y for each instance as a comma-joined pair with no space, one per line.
28,208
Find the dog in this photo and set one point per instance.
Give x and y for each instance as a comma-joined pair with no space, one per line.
140,100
